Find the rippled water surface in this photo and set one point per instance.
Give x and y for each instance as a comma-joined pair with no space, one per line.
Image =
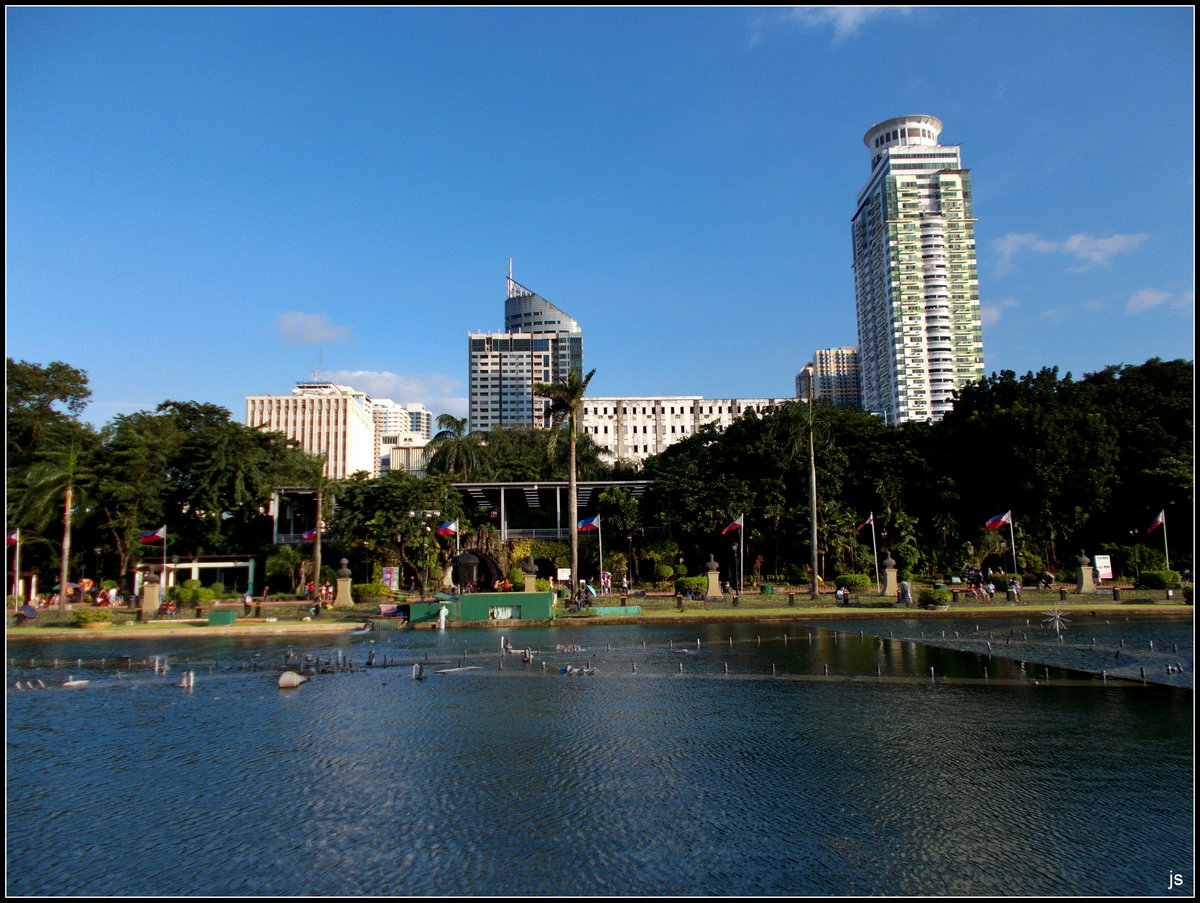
748,759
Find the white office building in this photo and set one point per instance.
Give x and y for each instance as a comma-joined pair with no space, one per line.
915,274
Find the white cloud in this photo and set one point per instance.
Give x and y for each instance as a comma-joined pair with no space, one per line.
991,313
308,329
436,391
1150,298
846,20
1088,249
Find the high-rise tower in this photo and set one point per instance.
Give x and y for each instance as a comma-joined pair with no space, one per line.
915,275
540,344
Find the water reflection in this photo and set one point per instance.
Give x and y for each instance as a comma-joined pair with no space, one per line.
777,760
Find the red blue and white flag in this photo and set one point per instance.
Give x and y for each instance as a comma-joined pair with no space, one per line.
159,535
1158,521
592,523
870,520
449,528
309,535
736,525
14,536
999,520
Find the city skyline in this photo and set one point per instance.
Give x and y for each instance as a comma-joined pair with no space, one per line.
225,202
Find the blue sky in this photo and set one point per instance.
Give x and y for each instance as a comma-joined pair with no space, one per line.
207,203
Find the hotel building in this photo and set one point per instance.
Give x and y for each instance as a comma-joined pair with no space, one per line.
326,419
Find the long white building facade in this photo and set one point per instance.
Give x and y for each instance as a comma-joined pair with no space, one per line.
915,274
633,429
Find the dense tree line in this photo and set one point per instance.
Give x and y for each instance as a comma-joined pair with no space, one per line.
1081,464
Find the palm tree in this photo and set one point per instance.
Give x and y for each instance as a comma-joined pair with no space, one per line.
454,450
566,399
46,483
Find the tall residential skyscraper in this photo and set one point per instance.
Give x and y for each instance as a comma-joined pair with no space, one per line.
540,344
915,276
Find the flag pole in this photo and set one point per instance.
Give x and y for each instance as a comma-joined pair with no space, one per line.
600,539
742,556
1012,537
17,571
875,551
1166,550
164,585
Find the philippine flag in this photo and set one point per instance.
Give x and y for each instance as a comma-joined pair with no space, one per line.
14,537
159,535
1158,521
870,520
592,523
736,525
449,528
309,536
999,520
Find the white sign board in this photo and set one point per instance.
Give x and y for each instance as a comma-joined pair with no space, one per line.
1104,566
564,574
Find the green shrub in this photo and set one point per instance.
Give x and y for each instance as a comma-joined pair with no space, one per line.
516,577
1161,579
852,581
932,598
693,585
665,573
360,592
81,617
218,590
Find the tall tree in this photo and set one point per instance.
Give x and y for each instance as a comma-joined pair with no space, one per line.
566,400
38,399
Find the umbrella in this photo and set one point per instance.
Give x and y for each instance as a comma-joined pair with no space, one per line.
591,589
69,586
28,611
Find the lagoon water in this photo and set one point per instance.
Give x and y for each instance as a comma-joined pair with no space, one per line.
748,759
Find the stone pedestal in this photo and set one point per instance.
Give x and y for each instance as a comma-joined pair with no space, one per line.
343,599
530,571
713,591
151,598
1085,581
891,585
151,595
